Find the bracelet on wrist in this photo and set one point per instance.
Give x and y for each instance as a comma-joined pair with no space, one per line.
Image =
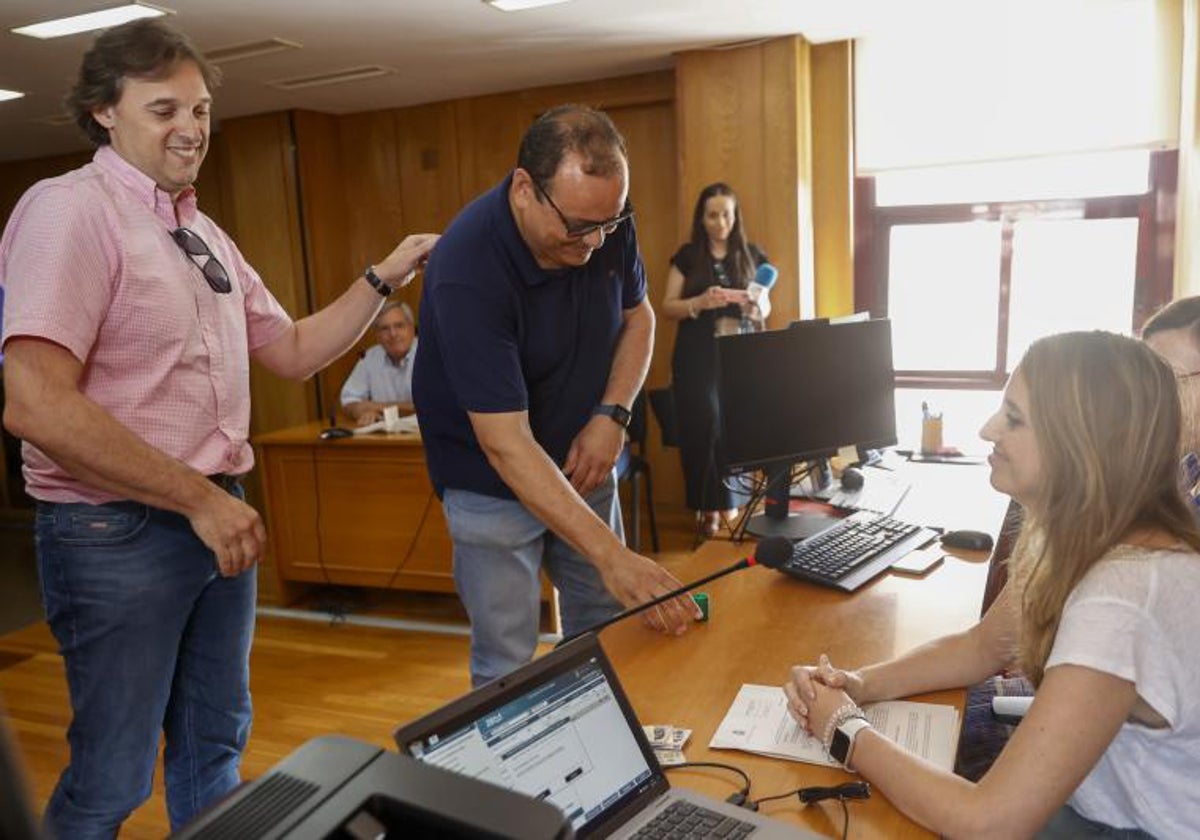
377,284
840,716
691,305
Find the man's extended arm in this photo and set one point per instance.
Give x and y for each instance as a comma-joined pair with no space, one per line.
530,473
45,407
313,342
599,443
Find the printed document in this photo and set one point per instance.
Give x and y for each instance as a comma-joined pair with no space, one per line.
758,722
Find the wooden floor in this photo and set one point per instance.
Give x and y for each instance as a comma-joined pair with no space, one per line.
307,679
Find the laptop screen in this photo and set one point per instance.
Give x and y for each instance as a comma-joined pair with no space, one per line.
559,730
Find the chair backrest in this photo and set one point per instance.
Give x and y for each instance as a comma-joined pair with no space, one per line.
997,576
662,403
637,422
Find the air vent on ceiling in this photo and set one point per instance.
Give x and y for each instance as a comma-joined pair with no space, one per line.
254,49
350,74
55,119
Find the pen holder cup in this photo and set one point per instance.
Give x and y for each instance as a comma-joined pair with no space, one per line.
931,435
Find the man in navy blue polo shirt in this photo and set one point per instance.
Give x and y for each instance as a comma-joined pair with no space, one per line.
535,337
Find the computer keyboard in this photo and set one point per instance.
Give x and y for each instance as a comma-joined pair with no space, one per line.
854,550
683,819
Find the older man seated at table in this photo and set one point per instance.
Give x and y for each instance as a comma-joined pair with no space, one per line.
383,376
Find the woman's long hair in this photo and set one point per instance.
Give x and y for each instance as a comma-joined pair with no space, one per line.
739,260
1105,415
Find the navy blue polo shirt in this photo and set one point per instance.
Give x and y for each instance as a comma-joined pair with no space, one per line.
500,334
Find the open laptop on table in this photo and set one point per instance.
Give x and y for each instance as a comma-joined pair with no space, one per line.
561,729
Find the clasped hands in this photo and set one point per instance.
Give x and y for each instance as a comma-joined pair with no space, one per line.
815,692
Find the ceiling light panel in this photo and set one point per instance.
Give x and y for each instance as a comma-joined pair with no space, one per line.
6,95
103,19
521,5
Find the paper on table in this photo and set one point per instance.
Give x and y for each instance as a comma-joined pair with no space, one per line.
758,722
403,425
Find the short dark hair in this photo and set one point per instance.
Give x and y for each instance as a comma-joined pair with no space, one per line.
571,128
141,49
1178,314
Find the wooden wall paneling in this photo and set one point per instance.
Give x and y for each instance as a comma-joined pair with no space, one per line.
787,171
833,177
259,184
489,133
490,127
261,202
371,220
649,132
19,175
326,225
427,159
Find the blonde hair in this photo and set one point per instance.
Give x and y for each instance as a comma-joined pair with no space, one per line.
1105,413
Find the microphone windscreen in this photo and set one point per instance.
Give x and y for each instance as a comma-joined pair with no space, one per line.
766,275
773,552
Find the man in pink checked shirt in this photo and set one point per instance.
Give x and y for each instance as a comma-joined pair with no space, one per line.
130,320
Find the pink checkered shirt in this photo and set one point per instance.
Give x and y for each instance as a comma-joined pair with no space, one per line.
87,262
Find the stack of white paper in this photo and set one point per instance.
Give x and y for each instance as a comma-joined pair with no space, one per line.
758,722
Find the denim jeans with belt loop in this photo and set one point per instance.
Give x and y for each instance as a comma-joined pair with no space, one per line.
154,641
499,548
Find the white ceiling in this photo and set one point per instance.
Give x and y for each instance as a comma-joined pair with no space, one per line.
440,49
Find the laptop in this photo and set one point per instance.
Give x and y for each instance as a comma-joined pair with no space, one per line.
561,729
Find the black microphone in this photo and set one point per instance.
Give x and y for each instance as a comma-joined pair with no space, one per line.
773,552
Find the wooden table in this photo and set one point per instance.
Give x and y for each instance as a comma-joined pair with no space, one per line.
762,622
358,511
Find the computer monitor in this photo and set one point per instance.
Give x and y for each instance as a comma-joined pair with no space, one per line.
802,393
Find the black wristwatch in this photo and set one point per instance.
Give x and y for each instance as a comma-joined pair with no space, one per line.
842,745
619,413
376,283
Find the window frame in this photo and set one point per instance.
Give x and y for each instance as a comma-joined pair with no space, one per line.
1154,267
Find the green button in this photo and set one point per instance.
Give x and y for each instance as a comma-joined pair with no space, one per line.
701,598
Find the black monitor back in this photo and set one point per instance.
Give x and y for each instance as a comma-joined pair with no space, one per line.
801,393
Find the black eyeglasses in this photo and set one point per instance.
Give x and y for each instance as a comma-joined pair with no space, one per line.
578,230
196,248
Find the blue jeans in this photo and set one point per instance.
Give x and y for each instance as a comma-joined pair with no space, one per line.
499,546
154,641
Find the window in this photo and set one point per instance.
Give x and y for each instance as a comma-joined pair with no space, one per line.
973,263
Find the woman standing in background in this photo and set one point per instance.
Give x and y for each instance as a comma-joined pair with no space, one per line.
706,294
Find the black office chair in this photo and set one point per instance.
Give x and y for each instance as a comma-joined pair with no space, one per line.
631,465
662,403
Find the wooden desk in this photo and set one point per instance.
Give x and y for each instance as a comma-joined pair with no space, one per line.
761,623
358,511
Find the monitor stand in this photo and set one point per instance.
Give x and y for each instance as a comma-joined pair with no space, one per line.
796,526
777,520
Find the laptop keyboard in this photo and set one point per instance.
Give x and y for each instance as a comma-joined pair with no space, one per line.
684,819
854,550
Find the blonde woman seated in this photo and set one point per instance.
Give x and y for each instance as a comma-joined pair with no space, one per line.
1099,611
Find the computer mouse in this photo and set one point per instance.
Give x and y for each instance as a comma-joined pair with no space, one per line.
335,432
852,478
971,540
